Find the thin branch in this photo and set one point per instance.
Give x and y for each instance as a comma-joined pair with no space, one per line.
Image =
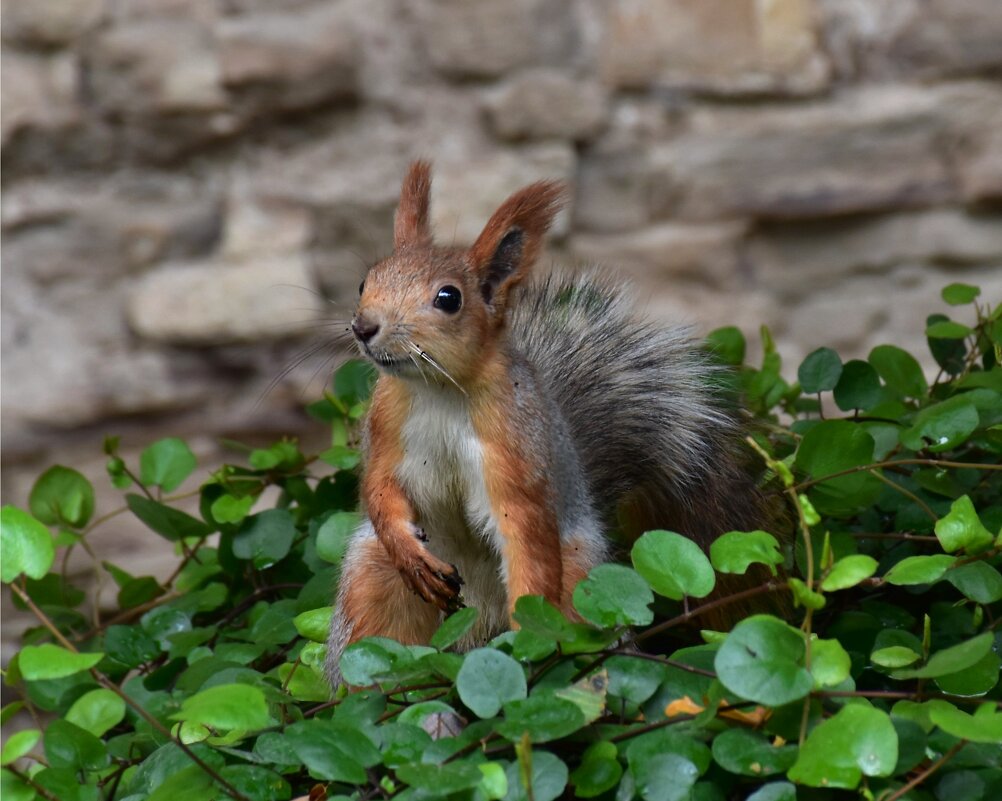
908,494
925,774
894,463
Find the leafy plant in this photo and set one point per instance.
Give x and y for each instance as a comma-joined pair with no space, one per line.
884,683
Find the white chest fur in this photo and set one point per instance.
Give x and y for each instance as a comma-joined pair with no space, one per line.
442,468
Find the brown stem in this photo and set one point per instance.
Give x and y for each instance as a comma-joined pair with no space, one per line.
892,463
925,774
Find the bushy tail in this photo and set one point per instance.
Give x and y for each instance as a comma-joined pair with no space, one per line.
656,430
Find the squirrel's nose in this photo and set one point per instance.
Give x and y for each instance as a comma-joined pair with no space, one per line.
364,329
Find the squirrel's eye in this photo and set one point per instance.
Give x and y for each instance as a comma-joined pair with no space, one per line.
448,299
361,288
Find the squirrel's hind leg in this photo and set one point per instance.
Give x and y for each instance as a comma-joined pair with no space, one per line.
373,600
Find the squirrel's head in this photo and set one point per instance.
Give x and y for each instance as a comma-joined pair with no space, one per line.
432,313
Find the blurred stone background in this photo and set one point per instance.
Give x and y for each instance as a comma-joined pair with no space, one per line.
192,188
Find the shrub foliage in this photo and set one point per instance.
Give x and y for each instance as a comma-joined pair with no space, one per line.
884,681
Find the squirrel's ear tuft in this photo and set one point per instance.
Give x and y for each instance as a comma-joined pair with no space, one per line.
410,226
507,248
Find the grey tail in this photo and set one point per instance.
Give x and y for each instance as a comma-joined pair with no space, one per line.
654,423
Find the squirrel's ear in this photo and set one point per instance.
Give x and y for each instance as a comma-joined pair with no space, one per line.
410,226
507,248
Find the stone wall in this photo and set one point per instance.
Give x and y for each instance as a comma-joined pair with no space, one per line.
187,183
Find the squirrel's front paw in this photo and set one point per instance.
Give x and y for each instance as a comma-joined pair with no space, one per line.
435,581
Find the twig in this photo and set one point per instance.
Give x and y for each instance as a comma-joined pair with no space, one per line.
925,774
893,463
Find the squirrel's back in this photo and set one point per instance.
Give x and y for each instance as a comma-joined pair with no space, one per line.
650,412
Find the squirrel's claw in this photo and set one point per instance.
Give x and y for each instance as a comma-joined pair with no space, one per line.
433,581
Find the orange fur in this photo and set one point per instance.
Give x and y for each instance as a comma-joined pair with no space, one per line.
410,226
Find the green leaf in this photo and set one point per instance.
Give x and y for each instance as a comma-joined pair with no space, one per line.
858,740
919,570
978,581
373,659
265,538
441,779
53,662
950,660
231,509
97,711
961,529
834,446
25,545
333,535
547,778
599,770
614,595
959,294
820,371
226,707
283,455
748,753
950,354
488,679
774,791
353,381
19,744
256,782
947,329
342,457
69,746
171,524
830,663
900,371
735,551
848,572
984,726
62,496
633,678
942,426
728,344
762,660
493,782
13,789
894,656
454,628
166,464
978,679
804,596
314,624
664,777
542,717
858,387
673,565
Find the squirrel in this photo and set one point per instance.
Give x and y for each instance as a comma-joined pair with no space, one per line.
513,423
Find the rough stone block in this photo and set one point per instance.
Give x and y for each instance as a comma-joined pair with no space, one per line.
542,103
289,61
707,254
726,46
39,94
466,192
876,148
487,38
155,66
210,303
50,22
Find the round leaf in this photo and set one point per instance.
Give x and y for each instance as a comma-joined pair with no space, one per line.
735,551
542,717
942,426
166,464
762,660
978,679
984,726
919,570
61,495
820,371
488,679
829,663
959,294
53,662
899,369
226,707
857,740
333,535
547,778
25,545
19,744
748,753
950,660
858,387
727,344
454,627
978,581
673,565
97,711
848,572
314,624
664,777
599,770
441,779
614,595
68,746
265,538
962,528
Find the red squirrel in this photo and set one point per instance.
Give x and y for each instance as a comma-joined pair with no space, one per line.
513,423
